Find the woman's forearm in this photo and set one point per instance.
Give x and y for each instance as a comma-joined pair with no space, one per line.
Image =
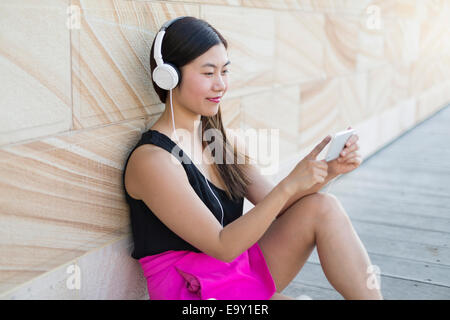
243,232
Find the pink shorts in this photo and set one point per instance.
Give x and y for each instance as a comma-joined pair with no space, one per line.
188,275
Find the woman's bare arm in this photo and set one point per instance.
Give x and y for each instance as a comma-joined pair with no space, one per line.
164,187
243,232
261,187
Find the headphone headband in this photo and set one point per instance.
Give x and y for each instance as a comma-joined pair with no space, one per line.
159,38
168,23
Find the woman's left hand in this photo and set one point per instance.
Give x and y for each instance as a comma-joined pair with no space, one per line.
348,159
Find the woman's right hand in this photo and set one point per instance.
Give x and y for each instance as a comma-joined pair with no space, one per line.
309,171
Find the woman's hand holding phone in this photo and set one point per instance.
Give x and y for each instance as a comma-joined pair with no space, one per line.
309,171
345,157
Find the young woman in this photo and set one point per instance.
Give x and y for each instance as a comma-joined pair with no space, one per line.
189,231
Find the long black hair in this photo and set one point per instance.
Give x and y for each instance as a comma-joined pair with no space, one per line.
185,40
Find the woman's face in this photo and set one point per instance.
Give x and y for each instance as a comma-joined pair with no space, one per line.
205,77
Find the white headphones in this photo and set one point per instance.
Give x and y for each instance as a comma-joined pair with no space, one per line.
166,76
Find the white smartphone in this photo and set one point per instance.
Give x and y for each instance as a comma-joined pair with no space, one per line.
337,143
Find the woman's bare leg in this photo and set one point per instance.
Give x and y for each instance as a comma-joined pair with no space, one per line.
318,220
342,255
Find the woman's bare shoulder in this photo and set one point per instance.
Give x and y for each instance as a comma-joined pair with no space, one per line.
144,157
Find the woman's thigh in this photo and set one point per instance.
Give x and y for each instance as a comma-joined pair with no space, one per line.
290,239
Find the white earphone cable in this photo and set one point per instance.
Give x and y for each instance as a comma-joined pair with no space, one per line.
216,199
173,120
206,180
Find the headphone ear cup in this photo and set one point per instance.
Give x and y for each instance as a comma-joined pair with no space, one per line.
178,73
166,76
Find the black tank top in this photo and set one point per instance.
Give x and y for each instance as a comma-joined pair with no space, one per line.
150,235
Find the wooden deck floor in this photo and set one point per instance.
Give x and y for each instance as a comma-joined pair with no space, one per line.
399,203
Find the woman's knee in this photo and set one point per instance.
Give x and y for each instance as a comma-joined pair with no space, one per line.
314,209
328,206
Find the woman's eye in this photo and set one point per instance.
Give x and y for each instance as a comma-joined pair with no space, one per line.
211,73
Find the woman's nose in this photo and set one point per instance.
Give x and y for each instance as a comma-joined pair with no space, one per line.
219,84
